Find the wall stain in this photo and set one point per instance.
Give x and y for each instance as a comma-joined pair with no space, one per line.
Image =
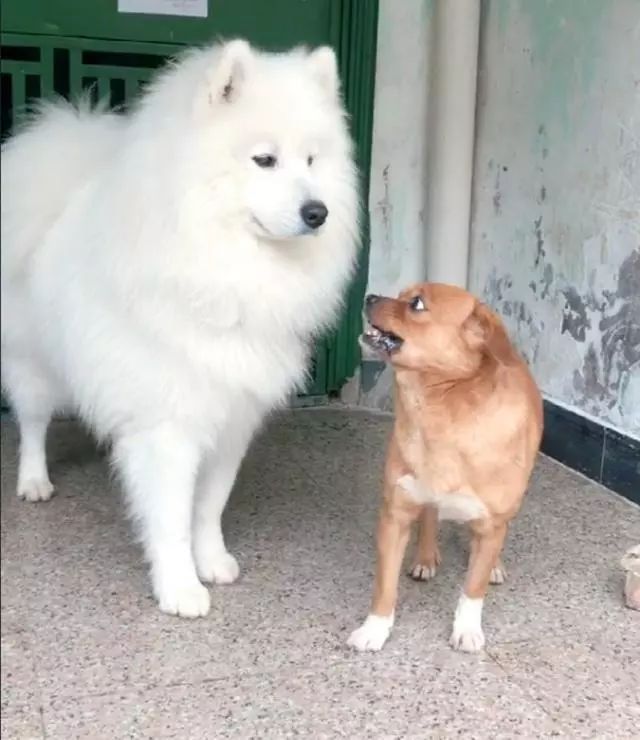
496,287
629,278
547,280
386,209
591,386
497,195
621,330
540,251
606,372
608,360
575,320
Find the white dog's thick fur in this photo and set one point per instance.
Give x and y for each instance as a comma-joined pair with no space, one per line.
159,278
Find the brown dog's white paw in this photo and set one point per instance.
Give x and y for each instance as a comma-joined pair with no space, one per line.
631,563
498,575
372,635
467,635
467,641
425,567
423,571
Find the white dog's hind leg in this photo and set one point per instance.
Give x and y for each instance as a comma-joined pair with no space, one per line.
33,401
214,563
159,469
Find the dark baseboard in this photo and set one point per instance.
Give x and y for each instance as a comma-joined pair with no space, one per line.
598,452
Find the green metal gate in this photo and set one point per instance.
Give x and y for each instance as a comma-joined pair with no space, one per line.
64,46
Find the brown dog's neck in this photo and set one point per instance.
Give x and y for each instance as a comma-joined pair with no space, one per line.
428,389
436,381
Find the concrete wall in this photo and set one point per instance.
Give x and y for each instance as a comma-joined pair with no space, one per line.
556,227
555,242
398,191
398,168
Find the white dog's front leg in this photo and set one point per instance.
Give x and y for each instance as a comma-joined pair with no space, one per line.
213,562
159,469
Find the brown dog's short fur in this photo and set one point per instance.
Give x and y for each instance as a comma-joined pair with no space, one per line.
467,429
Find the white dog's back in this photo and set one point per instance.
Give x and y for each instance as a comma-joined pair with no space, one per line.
55,153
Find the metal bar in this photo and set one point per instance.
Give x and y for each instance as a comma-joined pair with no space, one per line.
131,81
89,44
18,95
8,66
103,86
76,72
46,71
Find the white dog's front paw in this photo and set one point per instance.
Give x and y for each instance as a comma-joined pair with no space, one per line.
467,634
184,601
217,567
498,575
35,489
372,635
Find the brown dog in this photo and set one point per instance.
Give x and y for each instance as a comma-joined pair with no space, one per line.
467,430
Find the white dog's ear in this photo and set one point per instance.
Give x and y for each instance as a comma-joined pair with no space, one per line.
230,71
324,68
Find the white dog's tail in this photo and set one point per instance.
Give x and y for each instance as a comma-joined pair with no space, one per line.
52,155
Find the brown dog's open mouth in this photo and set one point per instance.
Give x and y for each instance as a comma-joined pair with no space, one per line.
382,341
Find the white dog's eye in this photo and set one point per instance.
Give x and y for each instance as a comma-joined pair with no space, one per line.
266,161
310,159
417,304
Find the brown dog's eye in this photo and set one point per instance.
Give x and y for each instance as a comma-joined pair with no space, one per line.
417,304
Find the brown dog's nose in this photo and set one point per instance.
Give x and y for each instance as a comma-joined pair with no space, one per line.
371,299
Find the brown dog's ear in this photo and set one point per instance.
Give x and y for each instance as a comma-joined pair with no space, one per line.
483,329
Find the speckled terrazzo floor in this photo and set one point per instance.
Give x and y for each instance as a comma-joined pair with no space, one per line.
85,653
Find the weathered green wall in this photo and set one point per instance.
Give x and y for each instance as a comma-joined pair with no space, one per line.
556,226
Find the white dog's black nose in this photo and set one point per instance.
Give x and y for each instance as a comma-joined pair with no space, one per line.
314,213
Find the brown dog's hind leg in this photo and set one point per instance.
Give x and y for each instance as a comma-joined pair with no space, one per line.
427,557
498,573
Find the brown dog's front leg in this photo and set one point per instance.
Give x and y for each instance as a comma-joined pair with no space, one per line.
396,516
486,545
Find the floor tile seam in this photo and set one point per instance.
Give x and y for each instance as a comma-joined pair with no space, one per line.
514,680
46,698
243,674
28,640
524,686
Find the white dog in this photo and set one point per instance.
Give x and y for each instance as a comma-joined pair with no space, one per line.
164,273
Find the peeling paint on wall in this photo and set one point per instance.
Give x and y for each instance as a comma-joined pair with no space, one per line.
556,243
